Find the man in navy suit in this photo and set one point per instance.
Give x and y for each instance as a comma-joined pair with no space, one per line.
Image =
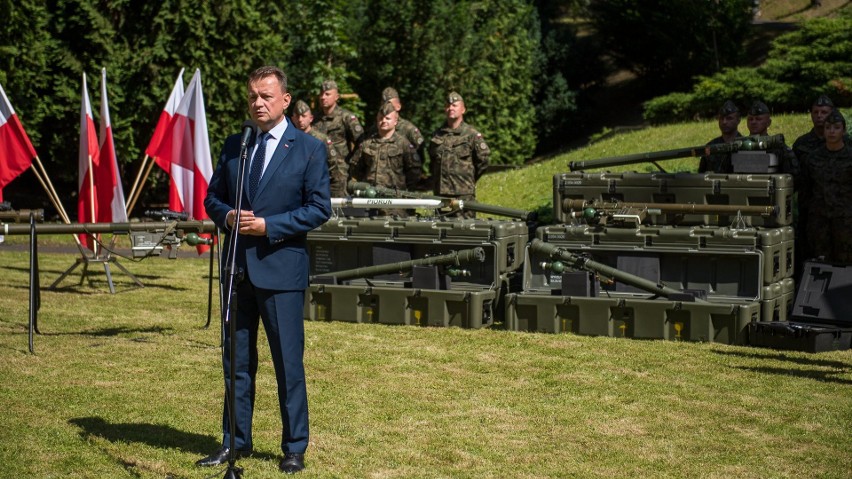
286,195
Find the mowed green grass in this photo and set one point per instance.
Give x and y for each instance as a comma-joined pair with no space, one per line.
130,385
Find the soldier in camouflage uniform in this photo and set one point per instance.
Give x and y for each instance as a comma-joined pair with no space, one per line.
729,119
458,155
404,127
827,178
758,121
385,158
338,169
814,139
341,126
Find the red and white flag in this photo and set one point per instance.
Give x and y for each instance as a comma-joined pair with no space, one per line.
185,148
89,154
165,118
16,150
110,194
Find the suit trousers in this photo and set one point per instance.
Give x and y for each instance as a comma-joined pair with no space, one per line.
282,316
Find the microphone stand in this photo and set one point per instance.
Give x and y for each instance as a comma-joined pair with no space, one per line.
230,309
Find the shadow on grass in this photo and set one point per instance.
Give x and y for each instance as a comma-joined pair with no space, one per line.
829,376
107,332
156,435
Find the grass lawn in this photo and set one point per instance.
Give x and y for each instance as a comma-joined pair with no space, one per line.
129,385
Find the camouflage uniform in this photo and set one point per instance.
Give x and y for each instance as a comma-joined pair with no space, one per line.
827,182
410,133
342,126
720,162
387,162
459,157
338,169
716,162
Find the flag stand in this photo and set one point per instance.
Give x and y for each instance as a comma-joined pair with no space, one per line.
104,259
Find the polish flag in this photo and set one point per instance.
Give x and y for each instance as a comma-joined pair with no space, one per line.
185,149
87,204
165,118
110,194
16,151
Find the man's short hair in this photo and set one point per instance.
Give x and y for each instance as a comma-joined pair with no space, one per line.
266,71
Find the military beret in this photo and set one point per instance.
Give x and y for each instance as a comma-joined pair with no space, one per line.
758,108
386,109
454,97
836,117
727,108
823,101
329,85
301,108
389,93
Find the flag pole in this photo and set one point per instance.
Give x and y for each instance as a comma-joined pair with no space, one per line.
132,195
52,195
144,179
91,176
48,187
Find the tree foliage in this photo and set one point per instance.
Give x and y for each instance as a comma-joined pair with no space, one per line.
486,49
671,41
815,59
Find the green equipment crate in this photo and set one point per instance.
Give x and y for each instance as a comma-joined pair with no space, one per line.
631,318
464,307
691,188
469,301
672,243
776,300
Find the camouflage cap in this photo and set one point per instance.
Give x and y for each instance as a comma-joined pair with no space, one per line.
329,85
727,108
301,108
389,93
386,109
454,97
823,100
758,108
836,117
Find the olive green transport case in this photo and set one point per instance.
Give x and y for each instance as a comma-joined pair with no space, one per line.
469,296
681,188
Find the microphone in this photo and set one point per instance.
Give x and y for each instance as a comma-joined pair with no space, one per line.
248,132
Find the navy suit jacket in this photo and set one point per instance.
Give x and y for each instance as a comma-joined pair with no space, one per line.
293,198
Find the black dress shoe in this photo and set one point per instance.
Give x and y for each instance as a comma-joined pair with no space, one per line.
221,457
292,463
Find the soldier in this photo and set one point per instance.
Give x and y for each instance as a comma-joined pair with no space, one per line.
385,158
729,120
404,127
458,154
341,126
338,169
758,121
827,178
813,139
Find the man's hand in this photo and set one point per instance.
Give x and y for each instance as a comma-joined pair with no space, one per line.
249,223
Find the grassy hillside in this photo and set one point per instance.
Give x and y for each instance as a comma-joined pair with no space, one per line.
531,188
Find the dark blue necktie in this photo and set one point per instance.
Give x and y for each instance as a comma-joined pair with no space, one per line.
257,165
